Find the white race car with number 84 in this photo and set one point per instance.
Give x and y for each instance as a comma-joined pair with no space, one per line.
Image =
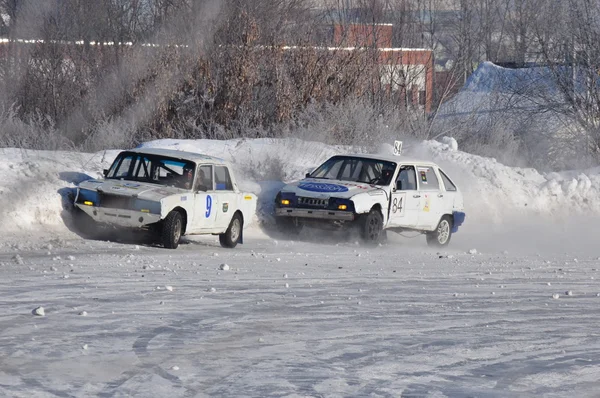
374,193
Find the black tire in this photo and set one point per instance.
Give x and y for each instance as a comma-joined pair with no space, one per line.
371,227
442,234
232,236
171,230
289,225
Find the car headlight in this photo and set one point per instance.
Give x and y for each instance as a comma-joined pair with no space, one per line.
341,204
285,199
147,206
87,197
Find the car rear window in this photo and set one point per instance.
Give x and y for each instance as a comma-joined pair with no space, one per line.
449,185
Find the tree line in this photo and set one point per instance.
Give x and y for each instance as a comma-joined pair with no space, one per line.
106,73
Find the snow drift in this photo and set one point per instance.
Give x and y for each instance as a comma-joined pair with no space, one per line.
36,185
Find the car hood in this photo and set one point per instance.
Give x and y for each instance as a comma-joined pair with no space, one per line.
131,188
320,188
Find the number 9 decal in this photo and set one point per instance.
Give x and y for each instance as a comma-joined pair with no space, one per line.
208,206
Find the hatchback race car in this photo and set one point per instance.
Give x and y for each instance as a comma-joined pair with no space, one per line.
171,193
374,193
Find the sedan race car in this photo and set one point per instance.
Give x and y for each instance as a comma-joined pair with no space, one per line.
374,193
172,193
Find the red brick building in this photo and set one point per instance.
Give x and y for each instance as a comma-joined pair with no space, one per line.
407,73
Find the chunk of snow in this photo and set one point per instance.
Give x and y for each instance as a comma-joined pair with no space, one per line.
224,267
473,251
212,290
169,288
175,367
39,311
83,313
569,293
556,296
451,142
85,346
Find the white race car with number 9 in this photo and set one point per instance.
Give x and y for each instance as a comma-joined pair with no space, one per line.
374,193
171,193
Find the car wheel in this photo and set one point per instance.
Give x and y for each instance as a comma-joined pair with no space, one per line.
289,225
171,230
232,236
442,234
371,226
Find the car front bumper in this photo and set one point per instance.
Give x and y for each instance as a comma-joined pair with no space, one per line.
120,217
319,214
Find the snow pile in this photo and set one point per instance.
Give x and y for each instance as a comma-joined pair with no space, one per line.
36,188
35,185
508,112
493,191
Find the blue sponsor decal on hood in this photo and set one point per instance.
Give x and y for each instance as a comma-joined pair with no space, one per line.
322,187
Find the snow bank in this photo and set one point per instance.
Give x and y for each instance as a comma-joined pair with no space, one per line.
35,185
494,191
35,188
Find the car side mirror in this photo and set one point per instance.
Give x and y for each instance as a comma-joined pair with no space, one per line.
202,188
105,172
307,175
398,185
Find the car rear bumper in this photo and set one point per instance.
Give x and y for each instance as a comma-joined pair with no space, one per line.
120,217
459,219
330,215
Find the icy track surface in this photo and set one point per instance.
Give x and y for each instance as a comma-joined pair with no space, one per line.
296,319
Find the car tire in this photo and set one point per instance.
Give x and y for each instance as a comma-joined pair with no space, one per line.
289,225
232,236
171,230
442,234
371,227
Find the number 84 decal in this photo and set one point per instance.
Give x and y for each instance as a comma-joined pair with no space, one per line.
397,205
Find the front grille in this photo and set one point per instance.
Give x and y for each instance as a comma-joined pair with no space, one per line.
116,201
312,202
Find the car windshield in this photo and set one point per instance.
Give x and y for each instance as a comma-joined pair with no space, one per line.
356,169
154,169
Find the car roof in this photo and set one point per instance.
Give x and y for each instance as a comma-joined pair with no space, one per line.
172,153
390,158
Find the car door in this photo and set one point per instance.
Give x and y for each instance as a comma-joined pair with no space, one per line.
431,196
405,199
205,200
227,197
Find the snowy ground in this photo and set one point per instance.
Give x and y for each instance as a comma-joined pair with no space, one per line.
314,317
297,319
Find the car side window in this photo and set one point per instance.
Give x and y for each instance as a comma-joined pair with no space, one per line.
428,181
449,185
406,180
222,179
204,182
